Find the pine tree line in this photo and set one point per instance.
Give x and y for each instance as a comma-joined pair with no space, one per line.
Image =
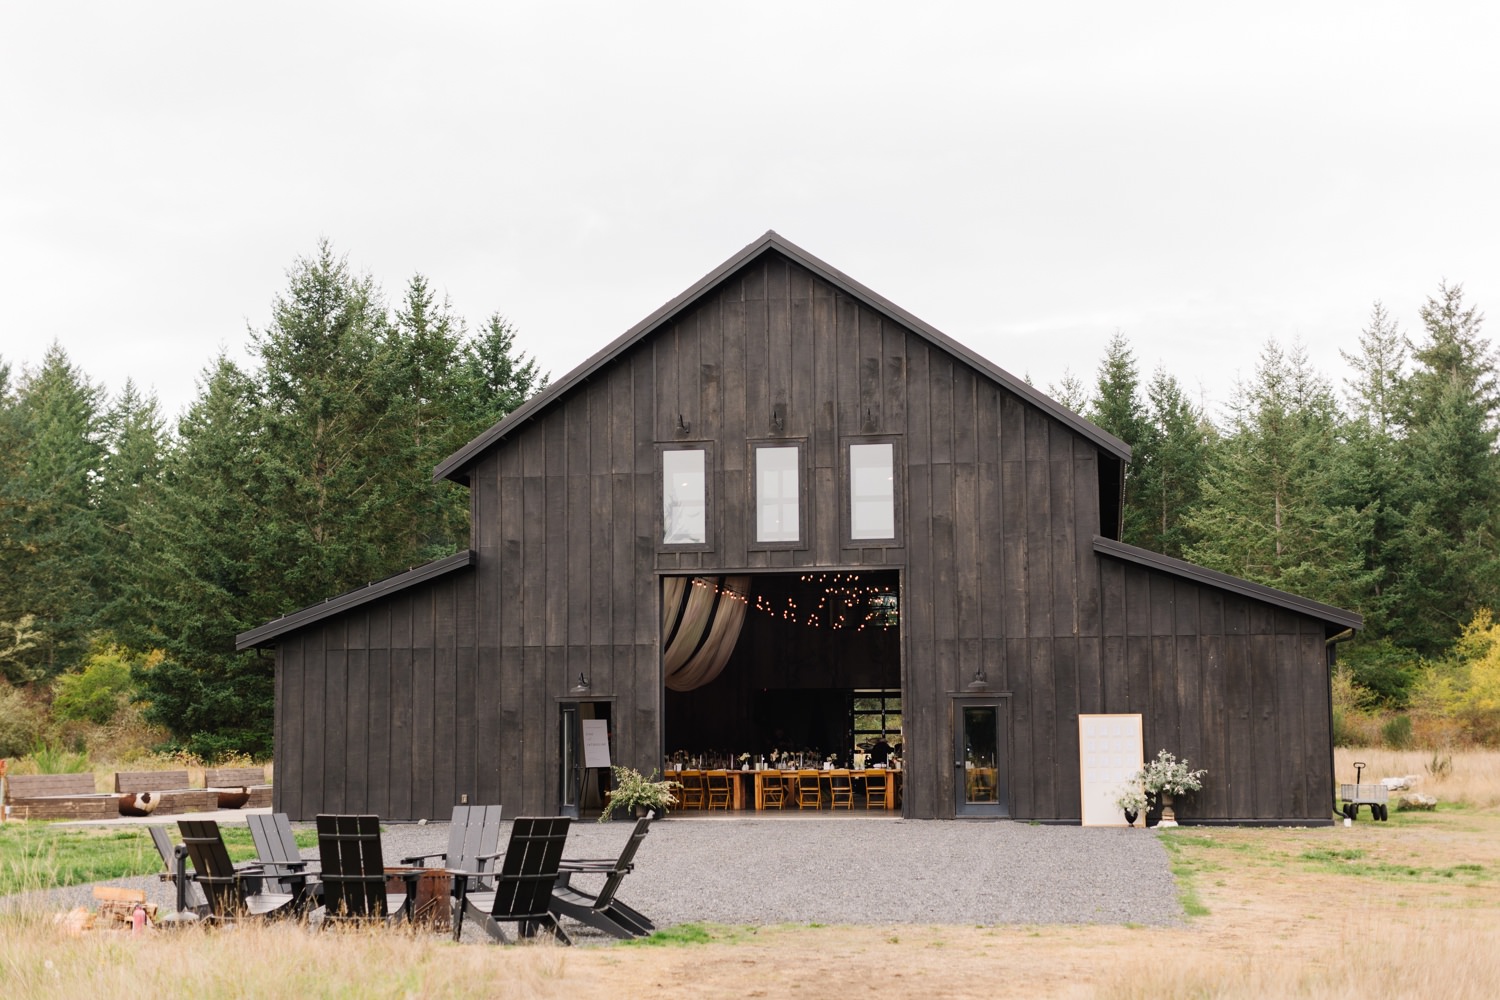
302,475
1385,501
306,474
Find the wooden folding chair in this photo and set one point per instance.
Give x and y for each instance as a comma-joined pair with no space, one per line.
692,795
809,793
719,792
772,790
840,789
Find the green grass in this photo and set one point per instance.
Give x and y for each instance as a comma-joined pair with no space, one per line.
690,934
1357,867
49,856
1328,854
1187,866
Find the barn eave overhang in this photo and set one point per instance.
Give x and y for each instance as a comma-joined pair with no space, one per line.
266,634
1326,613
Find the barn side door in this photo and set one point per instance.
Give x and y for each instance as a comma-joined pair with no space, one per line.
981,785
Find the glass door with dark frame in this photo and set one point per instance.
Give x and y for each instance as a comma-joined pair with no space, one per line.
581,782
979,765
570,755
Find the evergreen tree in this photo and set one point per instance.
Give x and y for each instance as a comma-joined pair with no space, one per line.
325,417
1116,407
203,578
426,344
1264,513
1375,391
1070,392
1366,471
1169,471
305,477
53,556
498,379
1444,547
129,477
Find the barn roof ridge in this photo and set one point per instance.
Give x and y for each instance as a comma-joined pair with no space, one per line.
1223,581
455,465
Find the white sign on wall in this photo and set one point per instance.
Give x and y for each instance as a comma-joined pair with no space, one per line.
596,743
1109,752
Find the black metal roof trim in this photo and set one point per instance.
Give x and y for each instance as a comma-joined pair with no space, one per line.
337,605
1223,581
455,466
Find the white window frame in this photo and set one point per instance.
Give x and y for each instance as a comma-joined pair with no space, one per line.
858,500
665,526
792,529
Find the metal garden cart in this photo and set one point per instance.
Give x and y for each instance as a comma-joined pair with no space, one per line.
1373,795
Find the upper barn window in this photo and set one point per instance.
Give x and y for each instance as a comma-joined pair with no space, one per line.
778,493
684,497
872,491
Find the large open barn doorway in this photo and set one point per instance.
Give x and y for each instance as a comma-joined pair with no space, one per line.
803,665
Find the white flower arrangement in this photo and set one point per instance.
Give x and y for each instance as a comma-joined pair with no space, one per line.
1132,799
1168,774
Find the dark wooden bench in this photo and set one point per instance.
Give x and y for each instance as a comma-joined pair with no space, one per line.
172,788
58,796
227,780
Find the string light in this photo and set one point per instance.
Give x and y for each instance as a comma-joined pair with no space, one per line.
880,604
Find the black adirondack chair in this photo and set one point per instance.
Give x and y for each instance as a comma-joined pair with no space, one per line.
603,911
190,900
353,871
473,842
523,883
230,892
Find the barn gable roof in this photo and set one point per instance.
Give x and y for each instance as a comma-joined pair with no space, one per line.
264,634
456,466
1223,581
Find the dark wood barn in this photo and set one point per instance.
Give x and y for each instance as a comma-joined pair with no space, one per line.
881,524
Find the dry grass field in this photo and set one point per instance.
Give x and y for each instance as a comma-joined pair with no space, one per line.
1375,910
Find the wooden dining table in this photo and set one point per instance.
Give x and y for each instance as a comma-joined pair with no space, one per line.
747,788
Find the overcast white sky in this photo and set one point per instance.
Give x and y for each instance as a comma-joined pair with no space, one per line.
1026,178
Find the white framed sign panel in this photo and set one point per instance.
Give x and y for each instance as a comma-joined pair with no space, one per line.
1109,752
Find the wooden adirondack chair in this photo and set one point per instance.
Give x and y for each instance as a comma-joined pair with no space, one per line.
473,842
353,871
603,911
190,898
523,884
280,858
231,892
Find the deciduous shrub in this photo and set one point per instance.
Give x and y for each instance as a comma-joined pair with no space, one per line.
1396,732
20,721
98,691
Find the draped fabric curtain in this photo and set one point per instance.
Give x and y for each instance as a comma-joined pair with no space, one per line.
701,621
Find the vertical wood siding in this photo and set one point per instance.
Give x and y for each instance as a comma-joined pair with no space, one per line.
453,688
